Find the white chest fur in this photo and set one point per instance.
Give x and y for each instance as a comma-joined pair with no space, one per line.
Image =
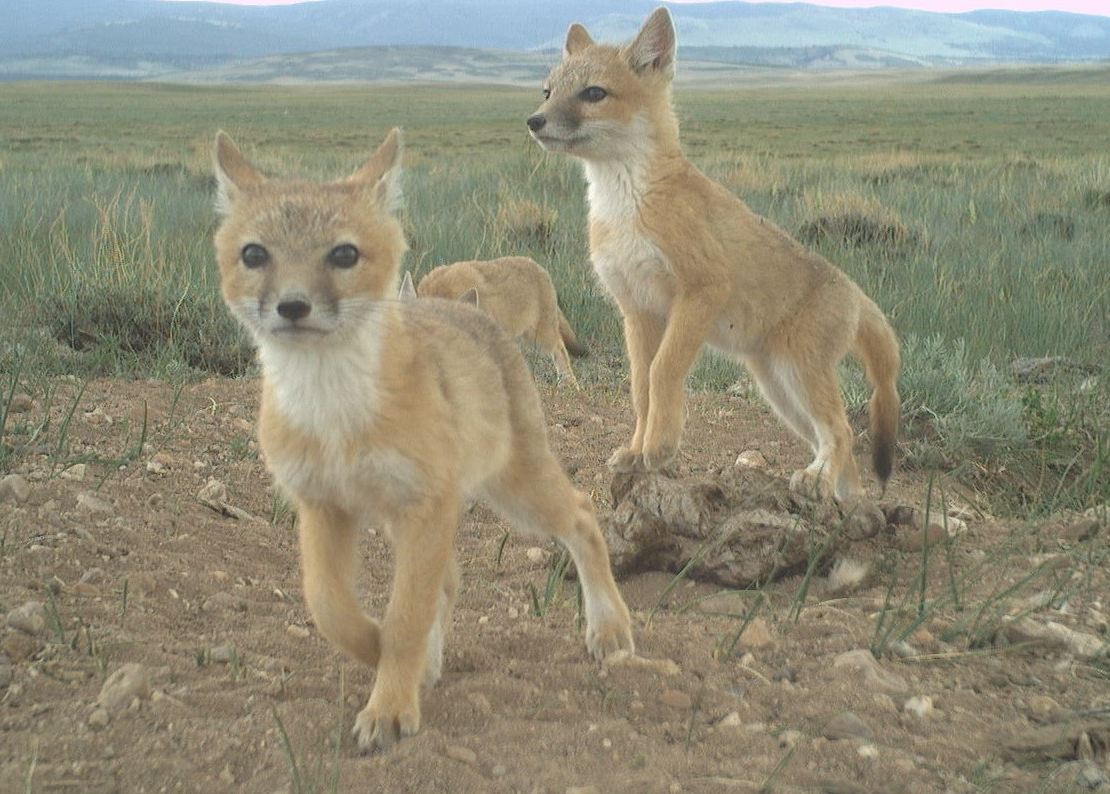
628,263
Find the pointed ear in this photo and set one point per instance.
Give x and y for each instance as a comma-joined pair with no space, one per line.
383,171
470,296
408,291
233,173
577,39
654,46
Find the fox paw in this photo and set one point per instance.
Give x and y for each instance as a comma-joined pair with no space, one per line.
659,456
378,729
812,484
607,639
626,461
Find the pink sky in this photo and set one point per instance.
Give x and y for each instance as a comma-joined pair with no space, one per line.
950,6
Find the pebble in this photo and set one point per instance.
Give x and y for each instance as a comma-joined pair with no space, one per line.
30,618
751,459
14,488
462,754
673,698
536,555
130,681
847,725
872,673
99,718
75,472
93,505
222,654
297,630
757,635
919,706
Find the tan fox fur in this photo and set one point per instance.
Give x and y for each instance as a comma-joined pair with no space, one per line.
517,293
378,411
689,264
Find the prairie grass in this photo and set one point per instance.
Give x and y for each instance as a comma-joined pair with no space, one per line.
973,210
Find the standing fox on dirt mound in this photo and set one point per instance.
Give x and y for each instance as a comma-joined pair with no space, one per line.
689,264
379,411
517,293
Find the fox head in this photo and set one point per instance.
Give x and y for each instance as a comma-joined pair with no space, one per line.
302,260
601,100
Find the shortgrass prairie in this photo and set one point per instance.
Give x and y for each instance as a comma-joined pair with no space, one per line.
975,209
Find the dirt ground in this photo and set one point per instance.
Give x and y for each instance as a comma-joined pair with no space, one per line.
153,636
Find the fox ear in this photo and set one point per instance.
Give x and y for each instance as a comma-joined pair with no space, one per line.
577,39
470,296
408,291
654,46
233,172
383,170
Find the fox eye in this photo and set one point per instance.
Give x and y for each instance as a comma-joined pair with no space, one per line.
254,256
344,256
594,93
546,92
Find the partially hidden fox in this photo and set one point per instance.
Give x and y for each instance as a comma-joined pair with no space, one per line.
390,413
689,264
517,293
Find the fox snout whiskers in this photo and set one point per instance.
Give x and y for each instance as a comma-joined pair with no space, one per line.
537,122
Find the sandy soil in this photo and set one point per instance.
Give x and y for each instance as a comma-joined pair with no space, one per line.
156,640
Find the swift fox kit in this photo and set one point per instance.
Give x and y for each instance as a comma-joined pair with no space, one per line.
689,264
380,411
517,293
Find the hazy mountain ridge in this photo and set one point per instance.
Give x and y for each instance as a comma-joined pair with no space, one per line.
134,39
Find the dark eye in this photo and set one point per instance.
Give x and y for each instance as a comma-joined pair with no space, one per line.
546,92
344,256
254,256
594,93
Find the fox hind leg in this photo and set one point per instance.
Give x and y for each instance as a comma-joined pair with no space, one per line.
535,496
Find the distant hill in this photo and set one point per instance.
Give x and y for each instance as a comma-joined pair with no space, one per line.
144,39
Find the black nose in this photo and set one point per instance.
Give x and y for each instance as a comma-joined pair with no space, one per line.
294,309
535,123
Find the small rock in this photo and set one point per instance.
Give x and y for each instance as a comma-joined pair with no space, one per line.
30,618
731,720
124,685
673,698
14,488
872,673
847,725
297,630
919,706
462,754
75,472
99,718
757,635
1054,635
93,505
1044,709
536,555
751,459
222,654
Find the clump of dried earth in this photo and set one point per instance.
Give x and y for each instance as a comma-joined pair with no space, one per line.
153,637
